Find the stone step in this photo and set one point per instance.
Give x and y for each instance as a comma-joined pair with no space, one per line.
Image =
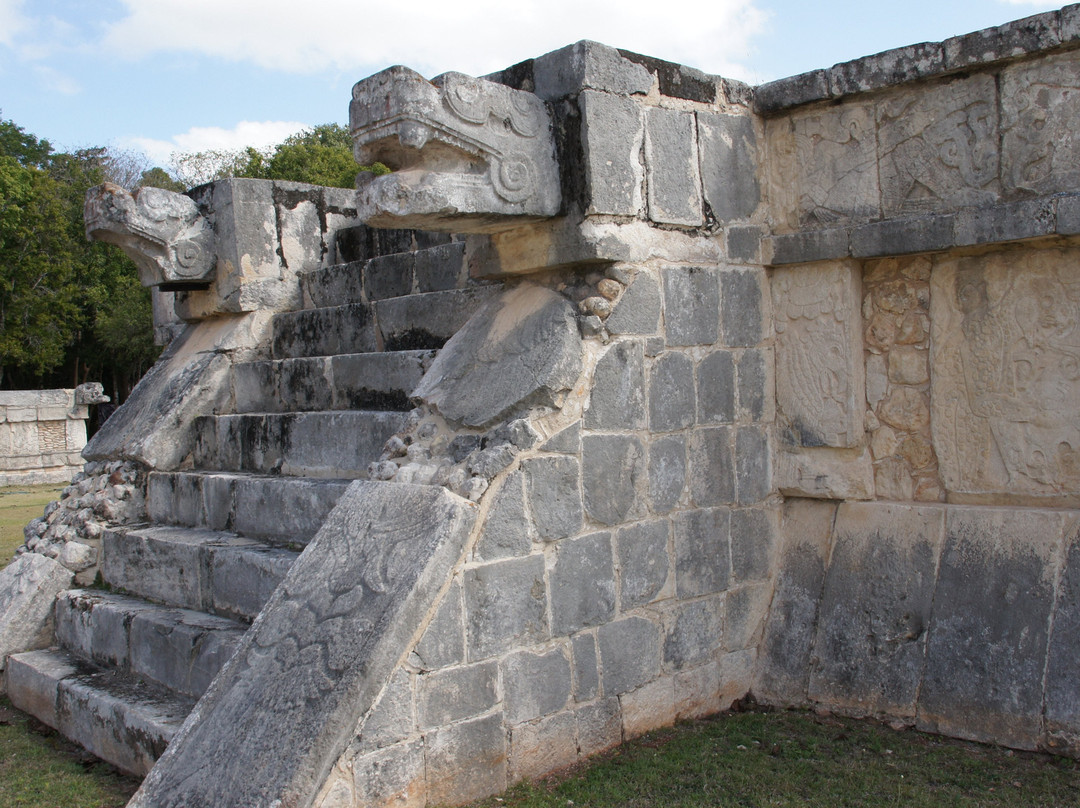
428,320
337,444
324,332
430,270
119,718
284,510
180,649
380,381
204,570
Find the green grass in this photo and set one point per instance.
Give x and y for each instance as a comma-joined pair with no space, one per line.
798,759
39,769
18,505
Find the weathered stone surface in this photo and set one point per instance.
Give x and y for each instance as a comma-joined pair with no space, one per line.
819,362
875,607
506,529
824,473
612,136
756,396
586,667
520,350
388,546
535,684
391,777
553,486
671,156
671,392
989,629
691,305
617,400
649,707
728,149
807,246
449,695
588,65
712,466
638,309
599,726
744,244
896,66
784,93
753,465
1011,39
428,320
1003,411
613,472
443,643
741,306
582,584
753,540
697,692
643,562
1062,721
543,746
466,761
629,653
939,146
667,472
28,588
716,388
702,551
745,611
441,137
392,718
440,267
915,234
505,605
693,631
162,232
784,665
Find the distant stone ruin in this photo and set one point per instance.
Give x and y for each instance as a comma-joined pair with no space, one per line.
631,391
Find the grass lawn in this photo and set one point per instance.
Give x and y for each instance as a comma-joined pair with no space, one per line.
18,505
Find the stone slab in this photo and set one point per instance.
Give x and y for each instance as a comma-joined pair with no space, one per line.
671,159
29,586
728,153
612,136
320,654
1062,699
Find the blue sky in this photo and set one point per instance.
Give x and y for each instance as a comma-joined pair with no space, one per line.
184,75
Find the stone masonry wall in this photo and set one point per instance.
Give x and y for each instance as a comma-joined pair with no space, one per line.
41,435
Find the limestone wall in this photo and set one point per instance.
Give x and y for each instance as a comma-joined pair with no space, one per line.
42,433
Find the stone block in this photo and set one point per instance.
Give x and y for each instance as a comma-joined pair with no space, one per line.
679,81
1062,721
617,399
744,244
553,488
824,473
746,608
424,321
391,778
535,684
650,707
784,665
667,472
582,583
466,761
393,718
1068,215
182,651
741,304
820,368
506,529
255,386
753,540
389,276
28,589
691,306
449,695
697,692
1012,221
244,574
613,473
776,96
989,627
637,311
702,551
1015,38
543,746
566,441
324,332
629,654
485,373
334,285
692,631
756,385
586,668
390,545
896,66
728,147
671,392
505,606
671,158
712,475
164,565
377,380
588,65
753,464
716,388
599,726
875,607
443,643
808,246
440,267
612,134
904,236
644,564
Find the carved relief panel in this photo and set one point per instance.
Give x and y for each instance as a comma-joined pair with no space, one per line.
819,358
1006,374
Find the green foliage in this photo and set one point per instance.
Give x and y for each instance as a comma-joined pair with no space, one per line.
158,177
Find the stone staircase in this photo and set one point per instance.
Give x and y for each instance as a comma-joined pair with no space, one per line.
131,660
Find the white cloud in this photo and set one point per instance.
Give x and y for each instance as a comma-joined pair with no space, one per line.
260,134
55,81
11,21
476,36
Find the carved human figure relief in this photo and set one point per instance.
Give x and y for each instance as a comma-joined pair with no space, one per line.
819,364
1007,373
